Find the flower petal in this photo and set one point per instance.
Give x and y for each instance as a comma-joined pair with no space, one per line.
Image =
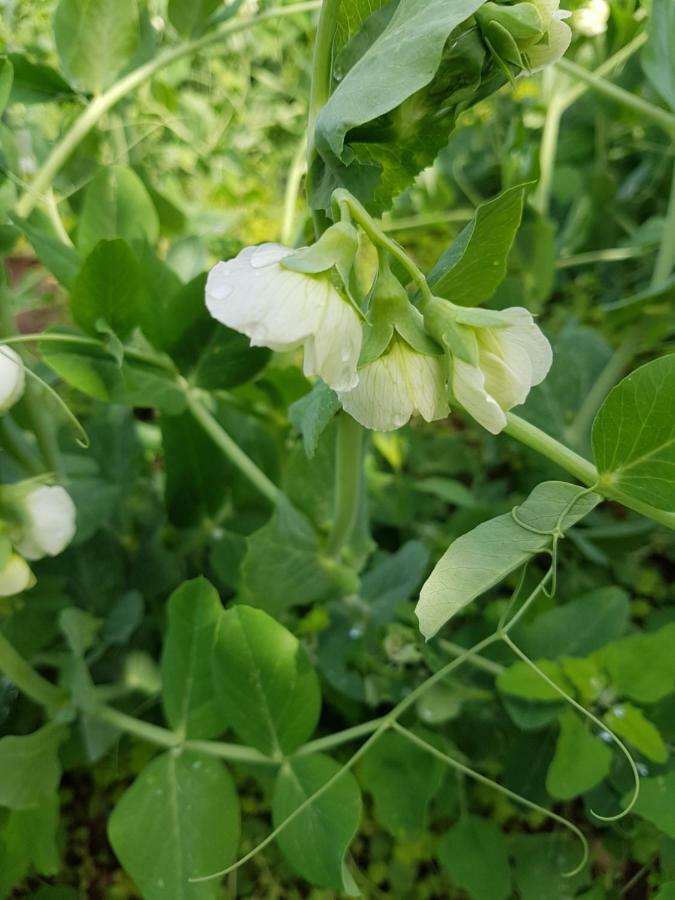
12,377
527,338
333,352
426,384
15,577
468,386
50,522
381,400
550,51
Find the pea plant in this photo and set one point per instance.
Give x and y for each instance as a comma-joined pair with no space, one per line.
331,562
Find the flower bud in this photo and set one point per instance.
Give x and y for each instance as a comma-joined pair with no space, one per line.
48,522
528,35
15,576
591,19
12,377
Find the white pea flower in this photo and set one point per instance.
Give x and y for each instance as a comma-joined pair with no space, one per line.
510,356
591,19
396,385
12,378
15,576
49,522
557,35
283,309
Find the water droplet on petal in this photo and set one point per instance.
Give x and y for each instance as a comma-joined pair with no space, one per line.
344,354
220,291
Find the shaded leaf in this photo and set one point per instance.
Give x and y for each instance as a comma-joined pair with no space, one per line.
580,762
117,205
475,855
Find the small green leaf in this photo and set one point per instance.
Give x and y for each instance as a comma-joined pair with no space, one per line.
188,696
542,863
264,682
634,435
316,841
402,779
475,855
29,767
521,680
80,629
666,891
312,413
36,83
471,269
580,762
178,820
187,18
641,666
117,205
480,559
109,289
28,840
62,261
659,52
284,567
629,723
656,802
95,39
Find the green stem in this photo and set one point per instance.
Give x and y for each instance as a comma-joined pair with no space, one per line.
609,255
233,452
340,737
28,681
348,482
665,261
646,110
579,468
478,662
149,359
298,166
100,105
617,59
547,150
345,201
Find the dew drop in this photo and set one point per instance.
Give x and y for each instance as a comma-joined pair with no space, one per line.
221,291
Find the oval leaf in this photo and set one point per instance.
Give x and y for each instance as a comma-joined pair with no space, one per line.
265,684
316,841
634,435
178,820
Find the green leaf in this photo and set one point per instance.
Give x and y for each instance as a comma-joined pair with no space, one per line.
666,891
659,51
656,802
36,83
402,779
266,686
6,79
521,680
475,855
117,205
634,435
351,16
109,289
395,89
95,39
472,268
97,374
187,18
577,628
541,866
580,762
188,696
629,723
642,666
284,566
80,629
316,841
28,841
62,261
29,767
196,471
178,820
480,559
312,413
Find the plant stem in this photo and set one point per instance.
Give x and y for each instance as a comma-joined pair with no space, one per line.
644,108
549,144
80,340
609,255
617,59
101,104
348,482
233,452
665,260
322,64
27,679
297,170
579,468
340,737
478,662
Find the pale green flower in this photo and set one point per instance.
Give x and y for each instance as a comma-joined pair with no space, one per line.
12,378
507,355
591,19
283,310
395,386
15,576
557,35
